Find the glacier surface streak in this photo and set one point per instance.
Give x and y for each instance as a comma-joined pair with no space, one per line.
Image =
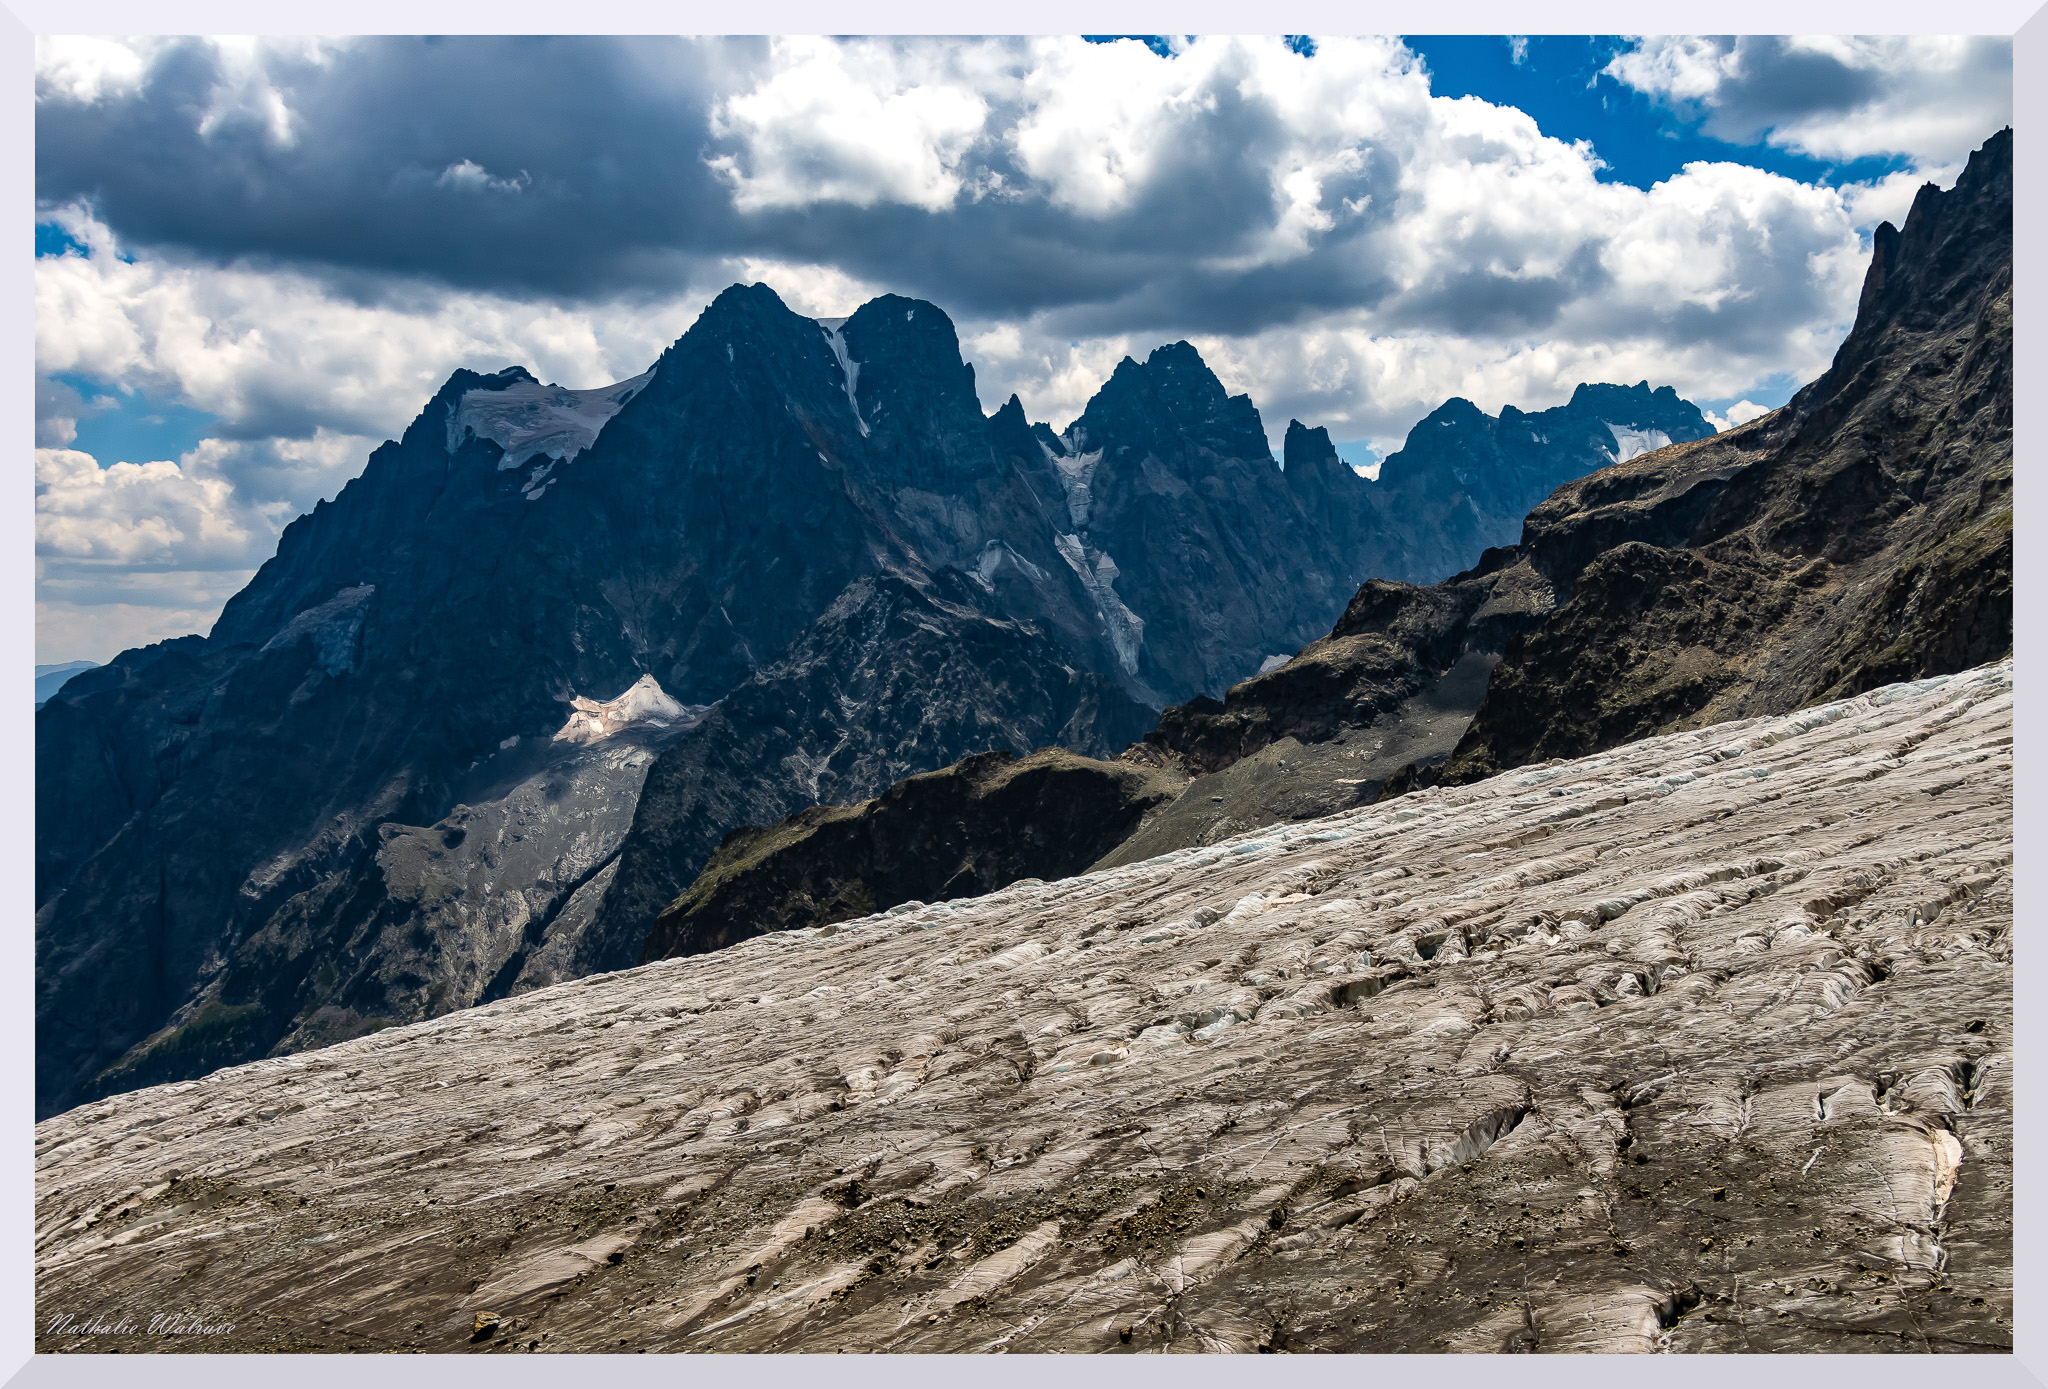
1679,1058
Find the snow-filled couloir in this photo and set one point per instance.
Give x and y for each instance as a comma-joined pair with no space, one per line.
848,368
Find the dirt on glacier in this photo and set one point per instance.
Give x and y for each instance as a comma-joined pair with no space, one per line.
1700,1044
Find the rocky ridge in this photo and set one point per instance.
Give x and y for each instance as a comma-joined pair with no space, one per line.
1860,534
1463,480
1700,1044
968,829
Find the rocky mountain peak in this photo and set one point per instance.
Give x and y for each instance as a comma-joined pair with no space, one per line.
1172,407
1523,455
916,394
1191,392
1923,272
1303,444
1310,459
1596,396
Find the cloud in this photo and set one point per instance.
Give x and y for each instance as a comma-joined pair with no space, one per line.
335,154
136,515
1741,412
1930,99
93,618
858,122
1243,181
1105,193
472,177
303,239
83,69
282,355
137,552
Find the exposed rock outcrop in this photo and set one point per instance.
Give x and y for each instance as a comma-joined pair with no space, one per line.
980,824
1859,535
896,678
1701,1044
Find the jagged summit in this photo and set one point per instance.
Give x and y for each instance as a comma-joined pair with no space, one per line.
1175,407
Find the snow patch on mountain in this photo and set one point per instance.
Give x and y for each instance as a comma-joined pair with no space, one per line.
990,562
644,702
1098,573
1076,472
1631,443
527,419
847,366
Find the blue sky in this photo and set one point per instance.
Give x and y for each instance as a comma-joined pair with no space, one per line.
1560,81
257,258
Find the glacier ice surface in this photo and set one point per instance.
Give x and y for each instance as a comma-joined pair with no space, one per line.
527,419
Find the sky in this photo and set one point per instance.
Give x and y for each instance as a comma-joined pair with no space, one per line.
257,258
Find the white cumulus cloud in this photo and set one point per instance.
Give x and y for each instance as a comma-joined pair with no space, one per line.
857,122
1931,98
83,68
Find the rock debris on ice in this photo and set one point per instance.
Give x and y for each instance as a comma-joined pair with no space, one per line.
1704,1043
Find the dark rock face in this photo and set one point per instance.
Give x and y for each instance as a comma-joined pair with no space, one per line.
1168,488
1862,534
983,823
486,902
1464,480
894,679
1240,562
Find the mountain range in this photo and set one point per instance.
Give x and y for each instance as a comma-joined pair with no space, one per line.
490,709
52,678
1860,535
